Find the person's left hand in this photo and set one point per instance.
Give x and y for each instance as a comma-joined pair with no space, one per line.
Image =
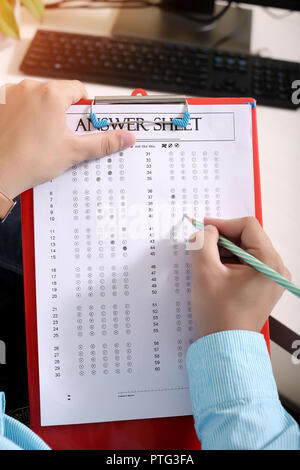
36,144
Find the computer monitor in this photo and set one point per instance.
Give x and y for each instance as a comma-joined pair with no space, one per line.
198,22
206,7
286,4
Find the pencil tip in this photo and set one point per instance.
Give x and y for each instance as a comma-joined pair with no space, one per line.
188,218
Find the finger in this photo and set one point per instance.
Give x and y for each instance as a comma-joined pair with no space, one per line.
26,85
247,230
208,256
73,90
286,273
248,233
98,145
65,92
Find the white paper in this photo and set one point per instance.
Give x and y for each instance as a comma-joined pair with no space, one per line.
113,287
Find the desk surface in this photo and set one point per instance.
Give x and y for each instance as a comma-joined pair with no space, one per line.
279,147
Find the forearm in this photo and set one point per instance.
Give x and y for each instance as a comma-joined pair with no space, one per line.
234,394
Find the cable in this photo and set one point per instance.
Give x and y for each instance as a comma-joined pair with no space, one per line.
210,19
232,34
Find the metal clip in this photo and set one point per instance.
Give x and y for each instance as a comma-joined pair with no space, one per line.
148,99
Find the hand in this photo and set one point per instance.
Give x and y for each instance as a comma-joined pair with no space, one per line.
36,144
228,294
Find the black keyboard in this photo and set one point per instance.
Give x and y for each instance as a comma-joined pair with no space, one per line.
168,67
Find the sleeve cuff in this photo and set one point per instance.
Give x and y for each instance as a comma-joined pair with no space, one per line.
227,367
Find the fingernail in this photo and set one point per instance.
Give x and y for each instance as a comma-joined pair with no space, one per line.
192,238
210,228
128,139
195,241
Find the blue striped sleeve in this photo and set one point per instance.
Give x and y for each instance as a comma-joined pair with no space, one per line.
16,436
234,394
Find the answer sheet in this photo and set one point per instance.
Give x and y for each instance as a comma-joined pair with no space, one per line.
113,274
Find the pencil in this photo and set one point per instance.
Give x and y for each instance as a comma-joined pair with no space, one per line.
251,260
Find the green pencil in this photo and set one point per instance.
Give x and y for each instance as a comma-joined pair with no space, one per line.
251,260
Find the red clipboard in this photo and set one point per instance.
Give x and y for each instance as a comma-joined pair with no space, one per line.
159,433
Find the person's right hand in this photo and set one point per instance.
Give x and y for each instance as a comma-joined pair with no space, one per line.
227,294
36,144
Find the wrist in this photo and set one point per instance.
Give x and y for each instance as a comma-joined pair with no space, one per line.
6,205
8,191
211,319
7,194
8,185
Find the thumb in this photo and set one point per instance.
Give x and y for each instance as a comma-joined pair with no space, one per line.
95,145
208,255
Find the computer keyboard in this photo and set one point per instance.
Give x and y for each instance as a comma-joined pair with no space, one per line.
161,66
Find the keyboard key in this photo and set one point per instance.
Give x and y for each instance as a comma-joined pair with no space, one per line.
166,67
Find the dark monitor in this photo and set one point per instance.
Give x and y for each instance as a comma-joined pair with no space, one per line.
198,22
207,6
286,4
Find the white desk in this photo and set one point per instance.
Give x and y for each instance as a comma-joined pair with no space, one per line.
279,143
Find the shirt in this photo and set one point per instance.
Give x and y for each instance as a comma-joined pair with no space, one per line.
234,398
234,395
16,436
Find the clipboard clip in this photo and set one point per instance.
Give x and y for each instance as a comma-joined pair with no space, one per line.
145,99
